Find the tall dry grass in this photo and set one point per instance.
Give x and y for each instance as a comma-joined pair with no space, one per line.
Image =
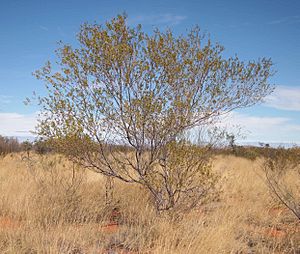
52,207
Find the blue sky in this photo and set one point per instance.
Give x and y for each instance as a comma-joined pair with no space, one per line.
31,29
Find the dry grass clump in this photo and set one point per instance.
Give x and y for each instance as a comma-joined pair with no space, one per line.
53,207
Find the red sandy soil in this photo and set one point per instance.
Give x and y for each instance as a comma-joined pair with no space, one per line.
9,223
278,211
110,228
283,230
275,232
116,251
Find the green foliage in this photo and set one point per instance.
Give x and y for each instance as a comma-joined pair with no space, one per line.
42,147
27,145
124,88
126,81
182,177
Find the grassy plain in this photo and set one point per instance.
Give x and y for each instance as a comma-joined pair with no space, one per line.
53,207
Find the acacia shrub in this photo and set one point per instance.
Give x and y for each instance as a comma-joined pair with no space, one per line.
124,88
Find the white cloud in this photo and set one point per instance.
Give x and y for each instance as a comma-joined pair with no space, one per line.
158,19
44,28
15,124
285,98
5,99
264,129
286,20
255,128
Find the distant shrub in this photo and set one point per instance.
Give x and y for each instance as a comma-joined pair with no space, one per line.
9,145
250,153
12,145
279,154
42,147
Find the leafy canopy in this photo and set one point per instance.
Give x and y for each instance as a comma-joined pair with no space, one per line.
122,85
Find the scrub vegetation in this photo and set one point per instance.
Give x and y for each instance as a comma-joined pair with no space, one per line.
116,169
54,206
